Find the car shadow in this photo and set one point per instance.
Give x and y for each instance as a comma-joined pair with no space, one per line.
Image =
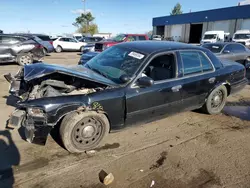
9,157
8,63
239,109
55,134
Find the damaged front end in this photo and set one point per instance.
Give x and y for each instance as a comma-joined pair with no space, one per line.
46,93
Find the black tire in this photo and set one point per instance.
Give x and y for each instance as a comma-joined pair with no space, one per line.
81,49
25,59
216,100
59,49
84,131
247,63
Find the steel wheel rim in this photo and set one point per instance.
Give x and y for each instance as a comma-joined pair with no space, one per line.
217,99
25,59
87,132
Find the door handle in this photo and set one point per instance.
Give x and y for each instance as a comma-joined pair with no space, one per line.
211,80
176,88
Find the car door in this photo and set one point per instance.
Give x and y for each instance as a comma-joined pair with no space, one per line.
74,44
198,78
161,98
228,53
6,43
63,42
240,53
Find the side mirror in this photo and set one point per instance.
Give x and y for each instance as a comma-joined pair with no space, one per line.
145,81
226,52
125,78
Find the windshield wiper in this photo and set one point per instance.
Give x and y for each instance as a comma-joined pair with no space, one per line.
97,71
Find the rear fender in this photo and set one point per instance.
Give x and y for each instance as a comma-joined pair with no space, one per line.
226,84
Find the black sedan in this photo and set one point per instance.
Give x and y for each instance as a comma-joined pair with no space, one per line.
232,51
128,83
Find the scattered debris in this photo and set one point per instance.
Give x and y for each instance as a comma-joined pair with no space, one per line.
160,161
106,178
177,137
108,146
141,170
171,146
152,183
91,152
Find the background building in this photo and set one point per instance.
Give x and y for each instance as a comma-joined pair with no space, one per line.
190,27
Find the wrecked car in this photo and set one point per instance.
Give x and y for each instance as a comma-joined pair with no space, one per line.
23,49
124,85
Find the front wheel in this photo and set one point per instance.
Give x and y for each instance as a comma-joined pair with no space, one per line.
59,49
25,59
81,49
216,100
84,131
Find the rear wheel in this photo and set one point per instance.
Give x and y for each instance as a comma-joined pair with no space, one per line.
216,100
59,49
25,59
247,63
84,131
81,49
45,52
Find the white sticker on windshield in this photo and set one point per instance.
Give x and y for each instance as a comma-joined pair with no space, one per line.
215,47
136,55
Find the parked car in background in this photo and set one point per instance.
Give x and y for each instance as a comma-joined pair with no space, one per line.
128,83
85,57
100,46
44,40
68,44
243,37
156,37
47,42
231,51
90,46
215,36
20,49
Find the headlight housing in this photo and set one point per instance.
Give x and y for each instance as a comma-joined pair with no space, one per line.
35,112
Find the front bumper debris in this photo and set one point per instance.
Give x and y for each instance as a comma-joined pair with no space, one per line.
16,119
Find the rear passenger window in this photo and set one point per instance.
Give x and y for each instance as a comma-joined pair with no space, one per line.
142,37
191,62
206,64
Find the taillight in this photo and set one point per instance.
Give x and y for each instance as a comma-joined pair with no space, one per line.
51,42
38,46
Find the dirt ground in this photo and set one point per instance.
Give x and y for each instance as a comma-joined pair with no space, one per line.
187,150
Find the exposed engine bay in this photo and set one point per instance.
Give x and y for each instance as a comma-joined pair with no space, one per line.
53,85
58,85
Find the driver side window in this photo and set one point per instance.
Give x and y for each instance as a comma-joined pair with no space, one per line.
161,68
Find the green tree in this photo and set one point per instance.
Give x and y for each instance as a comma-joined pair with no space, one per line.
176,10
84,23
92,29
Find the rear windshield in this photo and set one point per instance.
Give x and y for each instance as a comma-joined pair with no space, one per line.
215,48
44,37
242,36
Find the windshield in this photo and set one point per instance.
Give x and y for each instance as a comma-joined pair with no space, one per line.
210,36
78,37
215,48
242,36
119,38
115,62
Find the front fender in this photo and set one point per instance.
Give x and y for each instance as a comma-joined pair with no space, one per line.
57,107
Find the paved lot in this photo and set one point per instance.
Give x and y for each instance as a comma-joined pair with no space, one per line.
186,150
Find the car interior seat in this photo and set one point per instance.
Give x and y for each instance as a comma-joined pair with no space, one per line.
163,68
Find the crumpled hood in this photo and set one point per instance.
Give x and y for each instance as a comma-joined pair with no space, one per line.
39,70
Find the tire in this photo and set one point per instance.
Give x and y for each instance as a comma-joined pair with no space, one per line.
94,125
45,51
59,49
247,63
214,105
81,49
25,59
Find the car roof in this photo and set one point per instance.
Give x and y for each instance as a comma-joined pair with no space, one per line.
15,35
148,47
222,43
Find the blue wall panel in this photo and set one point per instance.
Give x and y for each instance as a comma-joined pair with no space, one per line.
238,12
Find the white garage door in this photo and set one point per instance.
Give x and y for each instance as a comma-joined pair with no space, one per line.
222,26
245,24
176,31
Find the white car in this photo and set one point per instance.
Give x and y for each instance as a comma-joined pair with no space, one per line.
68,44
